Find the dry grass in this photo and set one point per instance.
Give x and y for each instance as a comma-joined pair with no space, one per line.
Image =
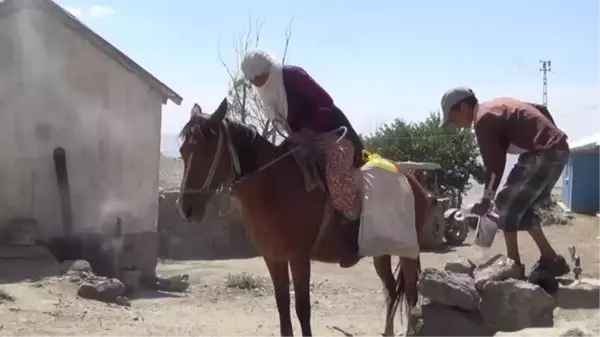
245,281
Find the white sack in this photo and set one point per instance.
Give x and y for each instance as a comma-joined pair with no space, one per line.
387,225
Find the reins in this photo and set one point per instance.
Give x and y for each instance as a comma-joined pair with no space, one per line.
236,177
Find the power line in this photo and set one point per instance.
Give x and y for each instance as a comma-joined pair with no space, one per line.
546,67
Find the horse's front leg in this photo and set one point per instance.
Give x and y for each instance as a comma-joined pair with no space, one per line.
301,279
281,284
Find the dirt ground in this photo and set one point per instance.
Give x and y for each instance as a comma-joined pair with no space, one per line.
350,300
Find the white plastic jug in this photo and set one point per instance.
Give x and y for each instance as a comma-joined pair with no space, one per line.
487,226
486,231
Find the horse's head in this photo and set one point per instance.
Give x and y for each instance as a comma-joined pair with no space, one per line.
209,160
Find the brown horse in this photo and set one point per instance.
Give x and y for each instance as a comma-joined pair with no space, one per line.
282,219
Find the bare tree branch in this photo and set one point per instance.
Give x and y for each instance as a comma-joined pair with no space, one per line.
288,36
246,106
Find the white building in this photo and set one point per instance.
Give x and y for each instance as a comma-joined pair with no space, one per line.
62,85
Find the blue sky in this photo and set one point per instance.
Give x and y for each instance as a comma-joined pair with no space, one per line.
379,60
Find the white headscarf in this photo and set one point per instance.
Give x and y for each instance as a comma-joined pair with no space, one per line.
272,93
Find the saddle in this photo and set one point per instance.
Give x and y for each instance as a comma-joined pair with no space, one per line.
311,162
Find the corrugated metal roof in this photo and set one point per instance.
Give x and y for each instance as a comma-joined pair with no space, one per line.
586,143
8,7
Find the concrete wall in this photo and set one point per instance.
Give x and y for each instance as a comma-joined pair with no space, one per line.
220,235
57,89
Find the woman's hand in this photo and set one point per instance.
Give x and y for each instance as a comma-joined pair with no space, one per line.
308,133
304,137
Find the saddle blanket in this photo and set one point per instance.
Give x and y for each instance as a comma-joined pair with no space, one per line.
387,224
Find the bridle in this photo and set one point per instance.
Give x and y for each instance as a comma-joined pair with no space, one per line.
235,165
236,177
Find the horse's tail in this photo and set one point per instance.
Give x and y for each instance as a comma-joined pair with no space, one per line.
405,298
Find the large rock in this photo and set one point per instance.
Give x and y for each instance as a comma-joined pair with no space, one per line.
514,305
5,296
105,290
439,320
79,271
450,289
579,294
460,265
497,268
561,332
81,266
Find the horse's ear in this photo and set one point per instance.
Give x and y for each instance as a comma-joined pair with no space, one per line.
196,111
220,113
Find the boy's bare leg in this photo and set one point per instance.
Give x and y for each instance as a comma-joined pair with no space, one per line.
512,247
541,241
512,251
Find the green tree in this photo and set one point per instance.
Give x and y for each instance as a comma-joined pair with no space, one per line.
455,150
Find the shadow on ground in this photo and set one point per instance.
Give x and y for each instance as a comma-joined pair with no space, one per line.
444,249
27,263
19,270
340,330
582,296
149,293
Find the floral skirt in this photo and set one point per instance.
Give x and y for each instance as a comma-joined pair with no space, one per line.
339,173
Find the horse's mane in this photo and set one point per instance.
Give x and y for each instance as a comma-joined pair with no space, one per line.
243,137
197,125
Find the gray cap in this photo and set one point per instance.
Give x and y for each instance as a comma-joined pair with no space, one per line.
450,99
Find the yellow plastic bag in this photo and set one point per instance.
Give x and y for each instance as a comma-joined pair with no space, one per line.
375,160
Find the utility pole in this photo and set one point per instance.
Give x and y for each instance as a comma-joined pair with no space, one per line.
546,67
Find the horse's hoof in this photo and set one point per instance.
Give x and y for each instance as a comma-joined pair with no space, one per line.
350,262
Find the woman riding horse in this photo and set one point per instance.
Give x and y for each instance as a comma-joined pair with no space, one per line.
281,218
295,101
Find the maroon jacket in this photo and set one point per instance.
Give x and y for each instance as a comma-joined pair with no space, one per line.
311,107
